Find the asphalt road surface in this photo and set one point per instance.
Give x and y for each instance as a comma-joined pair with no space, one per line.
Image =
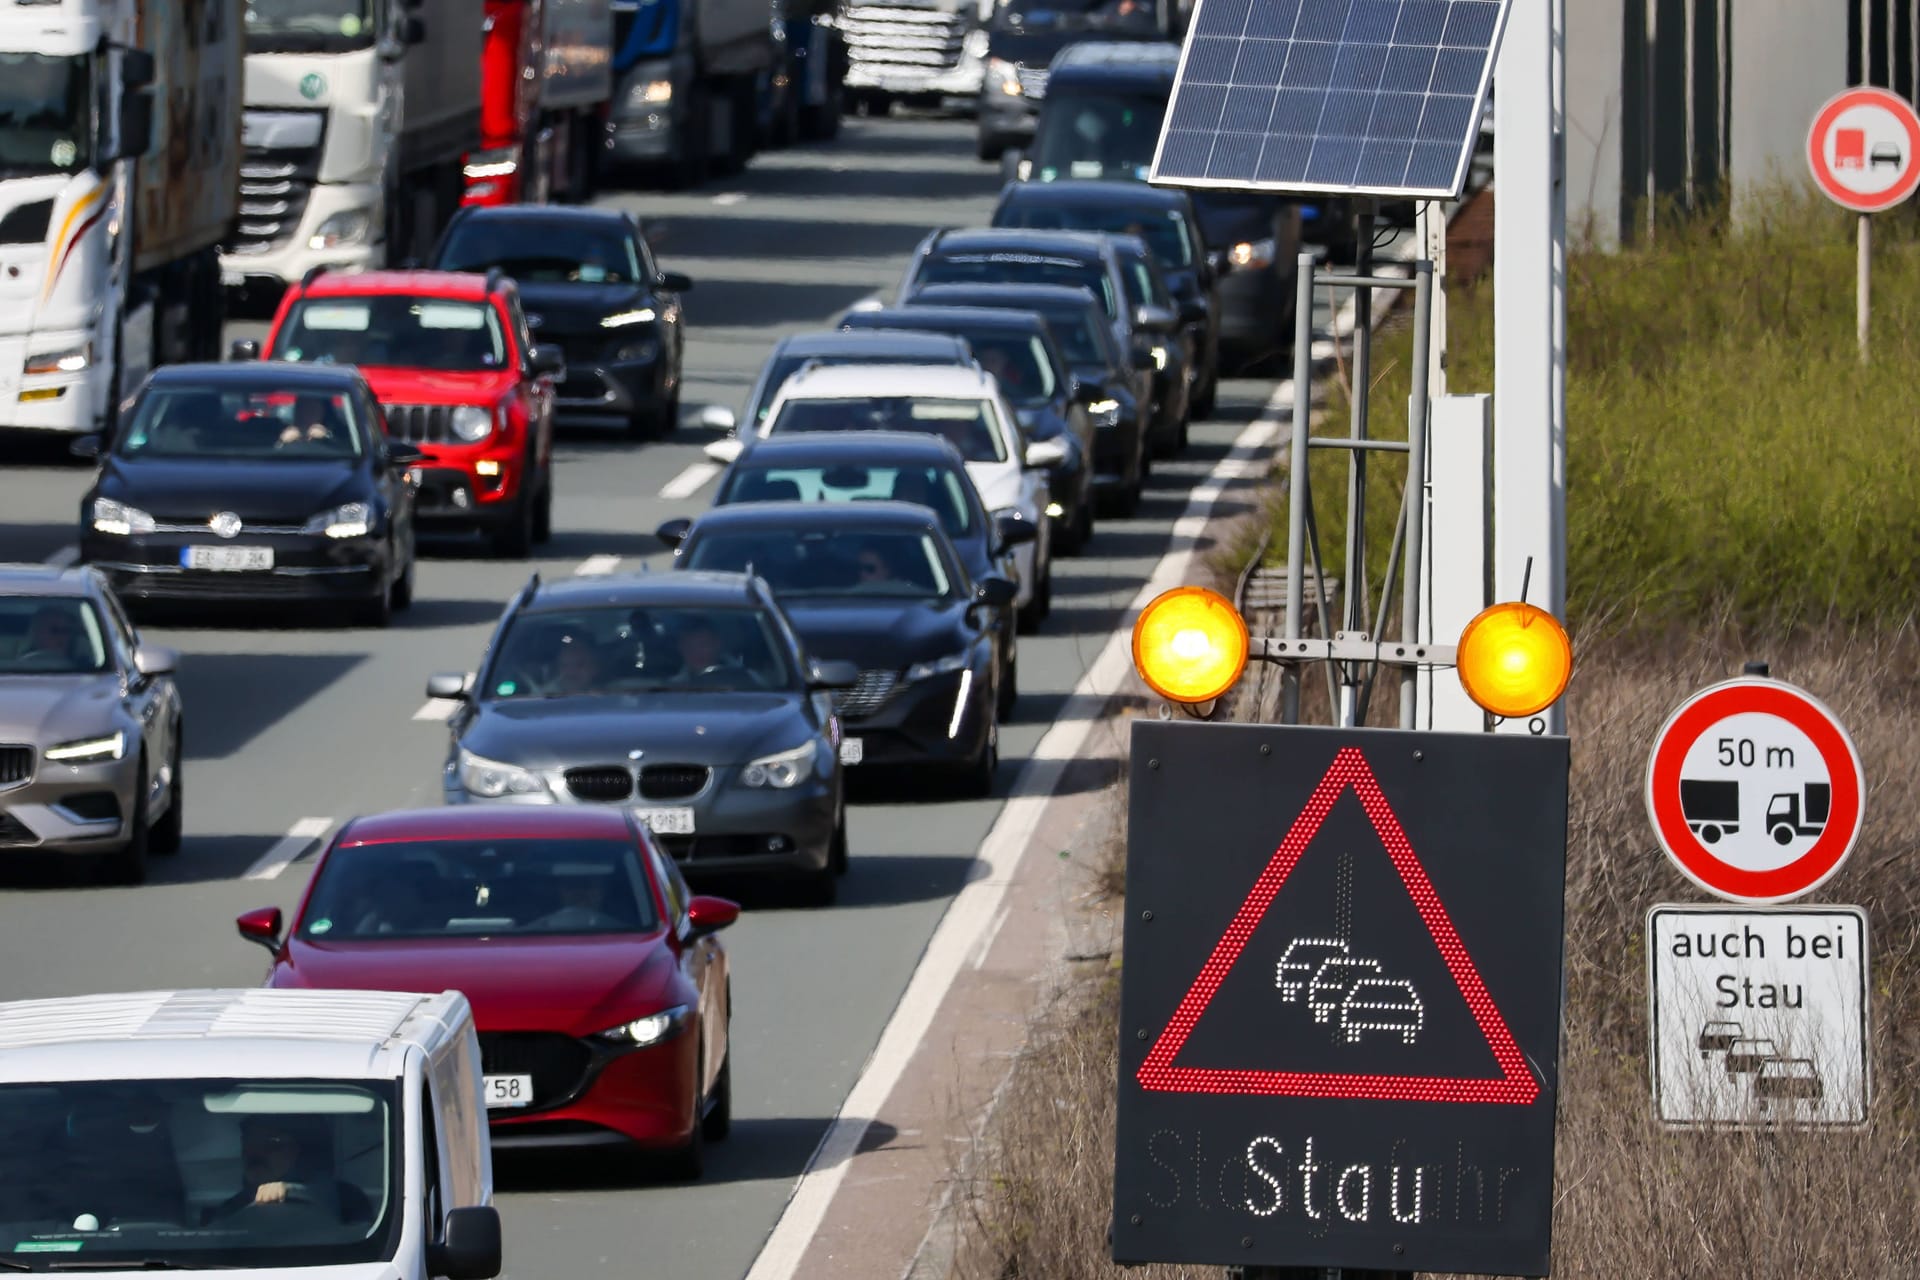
292,727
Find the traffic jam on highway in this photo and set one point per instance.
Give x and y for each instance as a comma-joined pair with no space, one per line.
452,288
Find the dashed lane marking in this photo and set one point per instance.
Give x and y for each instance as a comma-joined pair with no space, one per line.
65,558
299,838
690,481
440,709
597,566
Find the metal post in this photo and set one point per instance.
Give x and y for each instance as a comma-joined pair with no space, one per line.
1865,270
1433,247
1416,506
1297,478
1355,572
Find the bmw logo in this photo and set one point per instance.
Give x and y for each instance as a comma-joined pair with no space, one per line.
226,524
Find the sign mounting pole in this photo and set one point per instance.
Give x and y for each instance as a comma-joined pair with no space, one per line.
1866,282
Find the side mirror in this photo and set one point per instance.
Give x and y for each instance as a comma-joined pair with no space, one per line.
136,125
244,349
707,914
548,361
1141,359
262,926
137,68
1192,311
402,454
85,447
996,592
1045,454
725,450
835,673
1088,392
673,532
1220,263
451,685
675,282
469,1247
1012,531
717,417
1154,319
154,660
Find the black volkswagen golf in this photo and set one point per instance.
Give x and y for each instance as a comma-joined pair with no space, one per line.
878,584
591,287
252,483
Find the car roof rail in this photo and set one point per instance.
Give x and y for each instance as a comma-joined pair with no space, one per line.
313,273
495,278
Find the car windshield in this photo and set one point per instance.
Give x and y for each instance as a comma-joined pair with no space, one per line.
823,562
780,368
969,425
940,489
541,251
1143,288
394,331
199,1174
1019,268
607,651
504,888
51,636
309,26
46,114
1078,333
244,423
1019,361
1101,136
1164,230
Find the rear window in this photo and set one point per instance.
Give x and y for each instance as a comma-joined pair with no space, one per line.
937,488
971,426
780,368
1020,268
1164,230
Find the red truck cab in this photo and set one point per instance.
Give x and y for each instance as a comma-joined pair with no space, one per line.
545,88
452,361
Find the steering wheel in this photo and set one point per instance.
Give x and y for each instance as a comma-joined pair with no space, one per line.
298,1212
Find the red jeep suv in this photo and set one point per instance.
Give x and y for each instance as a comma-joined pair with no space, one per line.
457,374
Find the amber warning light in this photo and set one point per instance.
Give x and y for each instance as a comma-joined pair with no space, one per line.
1190,645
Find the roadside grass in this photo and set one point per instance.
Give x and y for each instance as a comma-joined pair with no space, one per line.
1728,456
1633,1200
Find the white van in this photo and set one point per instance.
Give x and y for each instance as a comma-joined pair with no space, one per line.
334,1134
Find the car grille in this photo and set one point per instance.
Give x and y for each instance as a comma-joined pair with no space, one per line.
895,38
602,783
275,185
1033,81
673,781
557,1063
870,693
16,765
417,423
14,833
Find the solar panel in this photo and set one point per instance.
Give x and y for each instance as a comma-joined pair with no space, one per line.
1367,97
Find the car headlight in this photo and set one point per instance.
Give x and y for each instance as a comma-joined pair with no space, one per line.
1159,359
1002,73
119,518
1252,253
89,750
471,423
347,227
652,1029
781,771
621,319
68,359
354,520
939,666
491,779
1105,413
651,91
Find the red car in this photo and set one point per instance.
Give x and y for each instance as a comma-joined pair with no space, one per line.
600,991
453,362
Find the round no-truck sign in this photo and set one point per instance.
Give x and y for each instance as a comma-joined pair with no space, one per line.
1864,149
1755,791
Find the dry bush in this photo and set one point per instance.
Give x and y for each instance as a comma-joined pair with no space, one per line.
1633,1200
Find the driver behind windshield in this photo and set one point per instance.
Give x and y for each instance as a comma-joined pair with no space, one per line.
286,1160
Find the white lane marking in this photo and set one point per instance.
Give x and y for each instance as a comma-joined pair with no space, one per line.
65,558
690,481
597,566
981,952
440,709
973,910
298,840
729,197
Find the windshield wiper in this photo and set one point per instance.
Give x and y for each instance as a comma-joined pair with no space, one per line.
136,1264
8,1264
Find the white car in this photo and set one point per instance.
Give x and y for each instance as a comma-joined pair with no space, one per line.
963,405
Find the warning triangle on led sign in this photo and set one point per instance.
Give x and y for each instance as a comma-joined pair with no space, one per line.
1515,1084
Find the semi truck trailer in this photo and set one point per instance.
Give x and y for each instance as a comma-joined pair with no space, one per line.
360,116
119,159
546,82
690,75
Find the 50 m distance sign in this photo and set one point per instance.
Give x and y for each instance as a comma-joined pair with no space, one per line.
1340,1004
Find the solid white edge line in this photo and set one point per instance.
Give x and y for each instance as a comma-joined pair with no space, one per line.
65,558
690,481
299,838
973,909
597,566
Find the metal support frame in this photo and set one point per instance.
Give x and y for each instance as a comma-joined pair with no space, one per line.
1355,652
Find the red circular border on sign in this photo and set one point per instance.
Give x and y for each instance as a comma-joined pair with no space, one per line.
1817,151
1811,868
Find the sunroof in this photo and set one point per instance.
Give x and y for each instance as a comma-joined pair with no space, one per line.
1368,97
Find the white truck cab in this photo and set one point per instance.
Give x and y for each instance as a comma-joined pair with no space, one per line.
335,1134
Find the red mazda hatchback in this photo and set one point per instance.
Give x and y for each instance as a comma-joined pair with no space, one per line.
600,991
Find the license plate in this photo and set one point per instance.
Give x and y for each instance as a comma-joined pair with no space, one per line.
227,559
852,750
508,1091
667,822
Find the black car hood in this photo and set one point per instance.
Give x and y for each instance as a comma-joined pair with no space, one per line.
576,310
711,728
879,634
190,490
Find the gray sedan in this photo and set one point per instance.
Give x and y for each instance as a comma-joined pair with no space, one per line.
89,725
